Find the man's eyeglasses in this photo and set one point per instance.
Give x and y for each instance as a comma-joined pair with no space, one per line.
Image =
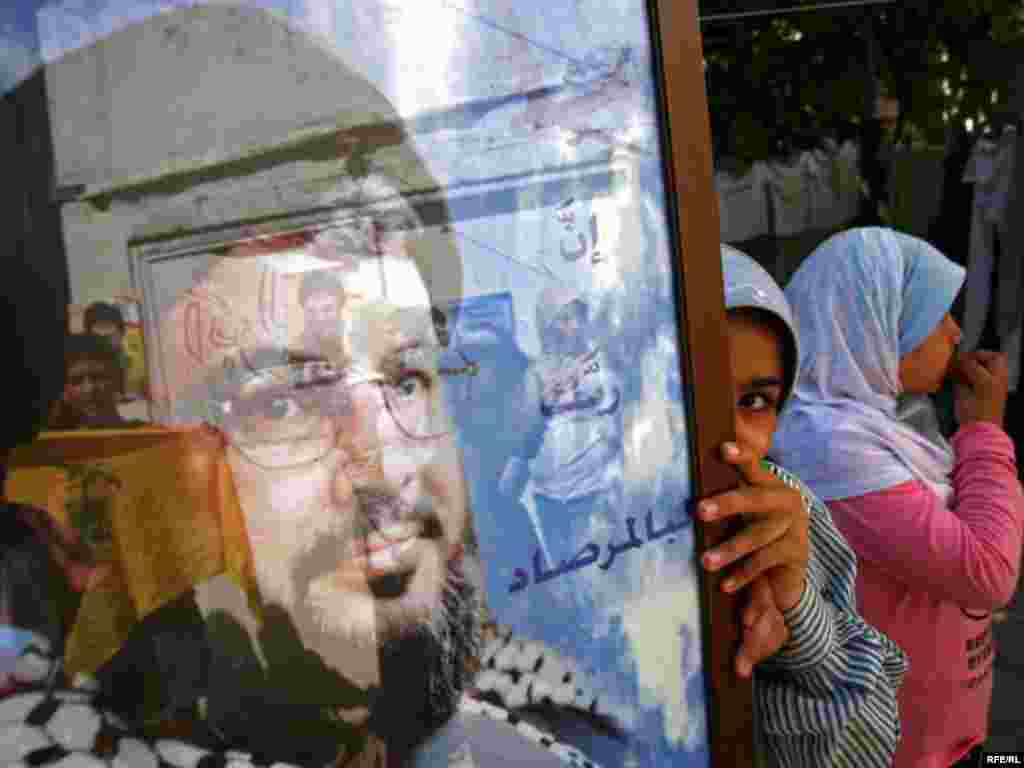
289,415
466,367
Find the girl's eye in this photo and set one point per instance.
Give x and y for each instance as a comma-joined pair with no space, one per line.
756,401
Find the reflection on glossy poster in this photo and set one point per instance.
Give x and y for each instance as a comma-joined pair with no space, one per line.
118,321
428,55
420,487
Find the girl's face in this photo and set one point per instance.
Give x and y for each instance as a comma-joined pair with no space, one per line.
923,369
758,381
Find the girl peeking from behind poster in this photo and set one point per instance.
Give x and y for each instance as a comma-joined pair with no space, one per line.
827,696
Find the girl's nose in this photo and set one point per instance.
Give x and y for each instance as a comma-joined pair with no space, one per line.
750,439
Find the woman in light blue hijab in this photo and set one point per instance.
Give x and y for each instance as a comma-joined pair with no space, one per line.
936,525
863,300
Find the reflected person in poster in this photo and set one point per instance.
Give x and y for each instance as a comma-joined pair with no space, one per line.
91,386
572,443
322,298
107,321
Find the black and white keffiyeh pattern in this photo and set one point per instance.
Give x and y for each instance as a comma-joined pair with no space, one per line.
517,673
42,724
66,728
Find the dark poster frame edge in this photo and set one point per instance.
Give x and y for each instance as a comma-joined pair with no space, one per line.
700,303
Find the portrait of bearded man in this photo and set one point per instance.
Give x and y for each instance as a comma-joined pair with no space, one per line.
349,482
351,632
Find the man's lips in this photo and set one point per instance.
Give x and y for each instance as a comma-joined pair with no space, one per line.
384,558
387,550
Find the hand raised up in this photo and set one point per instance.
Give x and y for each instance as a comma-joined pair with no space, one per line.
775,542
982,381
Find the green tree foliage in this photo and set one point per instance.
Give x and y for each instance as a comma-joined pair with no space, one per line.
776,80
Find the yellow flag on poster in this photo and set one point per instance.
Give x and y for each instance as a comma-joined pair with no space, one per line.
155,508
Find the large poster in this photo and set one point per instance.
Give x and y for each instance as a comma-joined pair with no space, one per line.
412,343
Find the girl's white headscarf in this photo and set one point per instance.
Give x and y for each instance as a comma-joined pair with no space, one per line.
749,286
863,300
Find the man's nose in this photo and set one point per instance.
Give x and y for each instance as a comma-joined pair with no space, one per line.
360,459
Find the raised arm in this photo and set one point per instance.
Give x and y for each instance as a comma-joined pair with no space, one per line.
967,552
828,695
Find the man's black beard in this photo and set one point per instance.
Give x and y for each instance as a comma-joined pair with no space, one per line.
424,669
424,672
289,710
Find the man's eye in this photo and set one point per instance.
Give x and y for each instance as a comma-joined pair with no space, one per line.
271,417
410,386
277,408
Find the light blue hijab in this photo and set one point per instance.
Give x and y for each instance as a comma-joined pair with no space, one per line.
862,300
749,286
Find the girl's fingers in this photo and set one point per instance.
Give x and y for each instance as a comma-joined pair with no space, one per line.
753,502
757,564
748,464
762,639
987,357
724,505
753,537
995,364
749,499
761,601
970,371
744,667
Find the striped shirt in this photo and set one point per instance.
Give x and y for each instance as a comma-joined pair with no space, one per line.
828,697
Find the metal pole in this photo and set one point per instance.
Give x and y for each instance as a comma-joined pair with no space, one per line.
793,9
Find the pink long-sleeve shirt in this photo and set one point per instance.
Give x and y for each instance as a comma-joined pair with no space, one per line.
928,576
